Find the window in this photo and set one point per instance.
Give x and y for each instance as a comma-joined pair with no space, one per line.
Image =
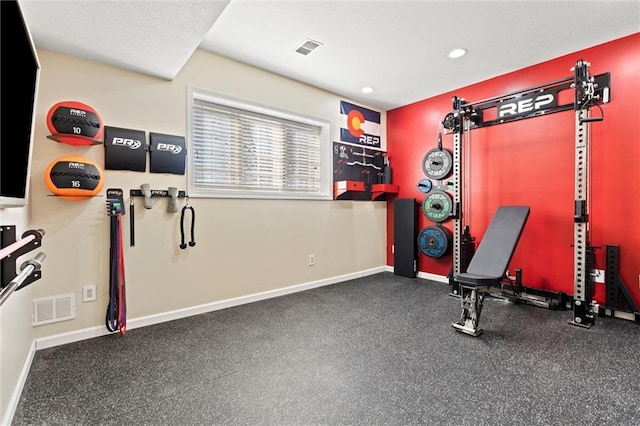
243,150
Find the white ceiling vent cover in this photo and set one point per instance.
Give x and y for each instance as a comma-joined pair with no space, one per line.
308,47
53,309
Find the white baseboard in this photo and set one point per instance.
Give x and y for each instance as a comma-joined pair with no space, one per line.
88,333
17,391
433,277
425,275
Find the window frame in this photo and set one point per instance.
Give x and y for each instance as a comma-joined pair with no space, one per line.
324,192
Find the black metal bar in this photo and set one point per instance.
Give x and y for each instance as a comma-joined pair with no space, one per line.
580,211
614,279
610,277
155,193
513,94
132,222
7,265
536,101
518,280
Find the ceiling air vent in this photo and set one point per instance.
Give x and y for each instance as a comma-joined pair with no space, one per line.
308,47
53,309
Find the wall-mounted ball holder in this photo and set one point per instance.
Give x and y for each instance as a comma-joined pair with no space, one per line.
74,178
75,123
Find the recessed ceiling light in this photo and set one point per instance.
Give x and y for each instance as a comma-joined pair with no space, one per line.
457,53
367,89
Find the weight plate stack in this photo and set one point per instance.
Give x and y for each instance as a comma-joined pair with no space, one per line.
435,241
437,163
437,206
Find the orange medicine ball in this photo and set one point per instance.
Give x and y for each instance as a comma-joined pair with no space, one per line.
74,177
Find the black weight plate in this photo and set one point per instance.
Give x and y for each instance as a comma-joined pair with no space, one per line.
424,185
437,206
437,163
435,241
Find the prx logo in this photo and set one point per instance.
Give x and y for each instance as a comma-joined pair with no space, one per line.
131,143
169,147
527,104
73,165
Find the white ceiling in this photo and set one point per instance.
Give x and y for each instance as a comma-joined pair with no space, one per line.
398,47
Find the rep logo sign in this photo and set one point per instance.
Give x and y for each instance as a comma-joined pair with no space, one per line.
527,105
359,125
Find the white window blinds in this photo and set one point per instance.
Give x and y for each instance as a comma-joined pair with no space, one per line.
234,151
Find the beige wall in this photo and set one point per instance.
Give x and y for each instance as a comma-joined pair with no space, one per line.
243,246
16,333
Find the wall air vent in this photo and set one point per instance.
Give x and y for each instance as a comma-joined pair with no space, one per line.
308,47
53,309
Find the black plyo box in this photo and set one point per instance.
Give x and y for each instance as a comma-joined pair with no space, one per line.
125,149
167,154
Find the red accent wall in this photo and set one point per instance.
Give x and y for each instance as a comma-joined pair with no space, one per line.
531,162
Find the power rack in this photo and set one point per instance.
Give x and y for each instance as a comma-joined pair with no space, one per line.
589,91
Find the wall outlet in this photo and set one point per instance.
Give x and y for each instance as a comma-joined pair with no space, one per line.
89,293
312,259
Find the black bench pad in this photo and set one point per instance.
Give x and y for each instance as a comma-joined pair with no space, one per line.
490,261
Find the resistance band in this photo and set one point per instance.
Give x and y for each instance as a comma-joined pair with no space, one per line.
116,319
192,243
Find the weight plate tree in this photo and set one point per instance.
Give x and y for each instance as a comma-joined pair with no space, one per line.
437,206
435,241
437,163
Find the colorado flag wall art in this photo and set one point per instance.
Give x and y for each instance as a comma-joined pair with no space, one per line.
359,125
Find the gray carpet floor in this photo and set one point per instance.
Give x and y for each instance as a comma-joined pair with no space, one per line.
378,350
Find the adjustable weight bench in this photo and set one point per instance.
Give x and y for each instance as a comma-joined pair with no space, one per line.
489,264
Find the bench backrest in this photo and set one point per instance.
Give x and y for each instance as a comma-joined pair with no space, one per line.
499,242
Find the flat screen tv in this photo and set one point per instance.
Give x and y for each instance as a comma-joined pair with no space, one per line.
19,76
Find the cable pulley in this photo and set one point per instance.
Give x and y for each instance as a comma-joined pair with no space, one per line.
449,121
